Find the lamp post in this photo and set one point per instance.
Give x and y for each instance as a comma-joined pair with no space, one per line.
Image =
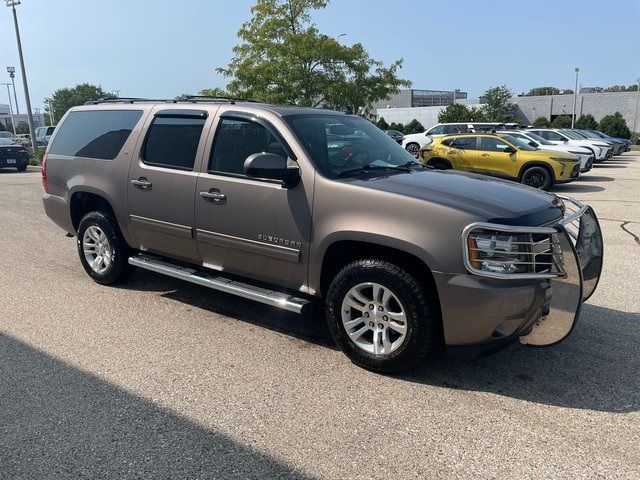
13,123
635,116
34,144
12,74
575,99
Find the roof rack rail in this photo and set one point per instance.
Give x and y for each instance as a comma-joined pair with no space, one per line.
213,98
127,100
182,98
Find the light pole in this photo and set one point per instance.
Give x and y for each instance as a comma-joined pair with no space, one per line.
13,123
575,99
12,74
34,144
50,108
635,116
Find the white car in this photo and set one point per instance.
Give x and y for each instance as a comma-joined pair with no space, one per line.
586,156
601,151
414,142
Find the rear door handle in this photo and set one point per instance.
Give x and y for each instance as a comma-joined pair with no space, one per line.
214,196
141,183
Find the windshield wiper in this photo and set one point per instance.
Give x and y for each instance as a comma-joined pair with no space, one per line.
369,167
415,164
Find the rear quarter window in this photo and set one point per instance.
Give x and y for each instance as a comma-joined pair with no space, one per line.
97,134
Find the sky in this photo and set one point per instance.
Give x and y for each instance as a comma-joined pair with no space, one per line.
163,48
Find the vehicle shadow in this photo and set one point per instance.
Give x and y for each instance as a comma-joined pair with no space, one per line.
576,188
60,422
310,327
610,165
596,178
596,368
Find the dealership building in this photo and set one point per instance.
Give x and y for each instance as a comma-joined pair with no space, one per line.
527,108
5,117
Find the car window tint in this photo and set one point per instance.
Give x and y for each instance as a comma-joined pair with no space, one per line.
452,129
466,143
491,144
238,139
437,130
172,142
95,134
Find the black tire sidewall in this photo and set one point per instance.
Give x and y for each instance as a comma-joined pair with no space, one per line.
411,294
119,270
549,178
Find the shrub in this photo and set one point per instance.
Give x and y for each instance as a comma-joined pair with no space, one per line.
382,124
615,125
586,122
396,126
541,122
414,126
562,121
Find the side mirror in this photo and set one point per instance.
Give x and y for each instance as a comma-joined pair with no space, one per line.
272,167
509,149
533,144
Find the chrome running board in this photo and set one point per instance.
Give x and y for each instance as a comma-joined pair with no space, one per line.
222,284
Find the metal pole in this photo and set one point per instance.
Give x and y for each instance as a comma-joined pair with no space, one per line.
575,99
635,116
50,113
13,123
13,82
32,131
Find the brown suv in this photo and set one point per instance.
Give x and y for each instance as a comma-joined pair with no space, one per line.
286,206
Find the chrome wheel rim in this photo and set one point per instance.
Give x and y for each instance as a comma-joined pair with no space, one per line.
374,319
97,249
413,149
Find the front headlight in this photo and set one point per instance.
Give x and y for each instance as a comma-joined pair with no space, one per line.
512,252
601,145
563,159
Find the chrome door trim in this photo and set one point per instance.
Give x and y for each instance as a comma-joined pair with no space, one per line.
279,252
174,229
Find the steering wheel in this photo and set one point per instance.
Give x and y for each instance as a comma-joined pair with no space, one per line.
353,154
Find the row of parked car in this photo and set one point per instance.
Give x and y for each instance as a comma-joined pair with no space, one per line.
538,157
15,149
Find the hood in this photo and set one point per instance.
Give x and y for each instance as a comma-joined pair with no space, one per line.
566,148
545,154
488,198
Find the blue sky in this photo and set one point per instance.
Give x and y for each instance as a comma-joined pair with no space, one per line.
162,48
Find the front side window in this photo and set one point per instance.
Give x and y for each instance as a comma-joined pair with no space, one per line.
172,142
237,139
341,143
491,144
95,133
520,141
464,143
437,130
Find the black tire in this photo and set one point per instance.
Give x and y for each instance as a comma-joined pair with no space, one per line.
419,309
537,177
413,148
22,168
440,164
119,269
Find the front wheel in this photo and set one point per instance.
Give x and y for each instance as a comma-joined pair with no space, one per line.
103,251
537,177
380,316
413,149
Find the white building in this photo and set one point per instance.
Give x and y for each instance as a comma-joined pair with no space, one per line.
5,117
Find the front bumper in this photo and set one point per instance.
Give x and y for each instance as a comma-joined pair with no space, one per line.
586,163
574,174
482,315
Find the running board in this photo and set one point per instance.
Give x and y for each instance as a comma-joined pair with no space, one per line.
222,284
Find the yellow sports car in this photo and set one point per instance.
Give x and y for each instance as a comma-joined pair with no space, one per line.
501,155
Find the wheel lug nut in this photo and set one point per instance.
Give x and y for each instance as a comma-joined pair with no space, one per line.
380,308
371,307
366,314
385,318
380,326
371,324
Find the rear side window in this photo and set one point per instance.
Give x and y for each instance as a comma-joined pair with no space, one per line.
238,139
95,134
172,142
449,129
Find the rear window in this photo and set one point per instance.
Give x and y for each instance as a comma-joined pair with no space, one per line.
95,134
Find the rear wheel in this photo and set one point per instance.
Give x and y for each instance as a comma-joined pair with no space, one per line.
380,316
537,177
22,168
103,252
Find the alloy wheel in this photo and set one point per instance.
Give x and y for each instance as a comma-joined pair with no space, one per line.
97,249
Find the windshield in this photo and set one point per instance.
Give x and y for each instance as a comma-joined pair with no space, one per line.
4,141
599,134
537,138
572,134
588,134
337,143
520,143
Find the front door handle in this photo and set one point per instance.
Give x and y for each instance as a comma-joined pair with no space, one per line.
141,183
214,196
484,154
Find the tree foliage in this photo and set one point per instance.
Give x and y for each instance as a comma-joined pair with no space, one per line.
561,121
414,126
541,122
22,128
214,92
283,58
457,112
498,107
65,98
396,126
586,122
382,124
543,91
615,125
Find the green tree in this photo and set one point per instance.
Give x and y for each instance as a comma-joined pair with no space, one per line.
543,91
414,126
541,122
22,128
455,112
498,107
284,59
382,124
65,98
561,121
615,125
3,128
586,122
214,92
396,126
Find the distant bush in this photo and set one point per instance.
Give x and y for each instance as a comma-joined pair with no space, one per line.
586,122
414,126
396,126
382,124
615,125
541,122
562,121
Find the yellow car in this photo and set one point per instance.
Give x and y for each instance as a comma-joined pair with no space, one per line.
501,155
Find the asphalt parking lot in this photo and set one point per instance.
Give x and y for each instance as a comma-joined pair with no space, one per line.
160,378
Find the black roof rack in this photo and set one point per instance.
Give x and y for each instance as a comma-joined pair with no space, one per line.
183,98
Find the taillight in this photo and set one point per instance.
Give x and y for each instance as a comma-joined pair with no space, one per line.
45,184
